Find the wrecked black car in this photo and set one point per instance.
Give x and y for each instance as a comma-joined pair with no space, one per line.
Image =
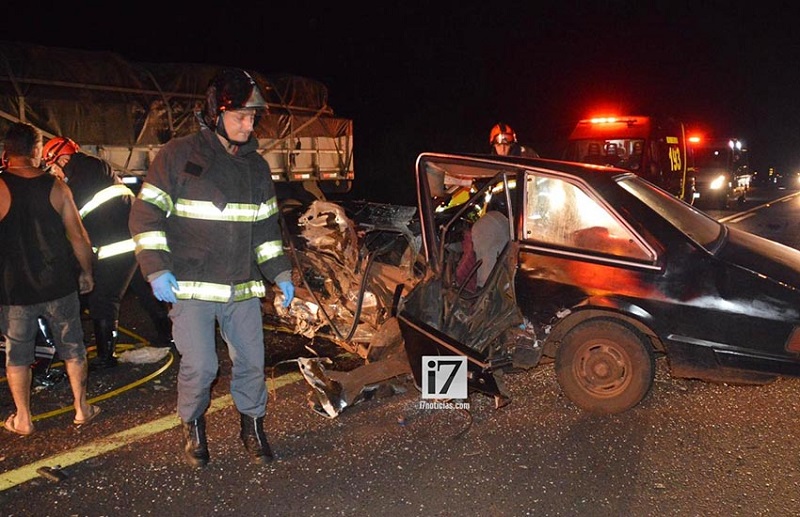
511,262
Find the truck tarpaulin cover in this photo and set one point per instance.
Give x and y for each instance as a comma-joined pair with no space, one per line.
103,102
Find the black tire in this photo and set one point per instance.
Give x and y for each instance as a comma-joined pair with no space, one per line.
604,367
724,202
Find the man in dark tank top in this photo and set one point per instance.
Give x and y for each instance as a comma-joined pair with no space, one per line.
45,262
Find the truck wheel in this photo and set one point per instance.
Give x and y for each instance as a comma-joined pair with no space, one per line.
604,367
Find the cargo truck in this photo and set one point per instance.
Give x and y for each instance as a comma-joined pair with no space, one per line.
721,171
124,111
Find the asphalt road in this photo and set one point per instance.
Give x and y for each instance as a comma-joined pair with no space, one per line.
690,448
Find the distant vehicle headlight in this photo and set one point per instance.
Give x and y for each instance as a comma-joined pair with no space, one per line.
718,182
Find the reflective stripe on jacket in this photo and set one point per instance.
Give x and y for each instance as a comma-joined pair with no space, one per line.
211,218
108,193
103,202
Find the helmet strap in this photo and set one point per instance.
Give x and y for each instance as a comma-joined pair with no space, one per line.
224,134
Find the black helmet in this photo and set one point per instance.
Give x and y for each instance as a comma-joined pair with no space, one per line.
231,89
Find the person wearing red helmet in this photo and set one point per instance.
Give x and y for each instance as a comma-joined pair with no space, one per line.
105,207
207,233
57,147
503,142
104,204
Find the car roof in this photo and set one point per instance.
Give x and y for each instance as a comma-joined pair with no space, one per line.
472,166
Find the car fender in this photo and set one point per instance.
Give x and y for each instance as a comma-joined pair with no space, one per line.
607,308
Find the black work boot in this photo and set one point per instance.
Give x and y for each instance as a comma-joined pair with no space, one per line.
105,339
195,450
254,439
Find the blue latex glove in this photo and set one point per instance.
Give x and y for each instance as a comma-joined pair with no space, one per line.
164,287
288,292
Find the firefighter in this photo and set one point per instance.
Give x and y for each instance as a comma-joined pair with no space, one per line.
104,204
207,234
503,142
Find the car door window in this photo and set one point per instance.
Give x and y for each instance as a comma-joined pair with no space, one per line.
563,214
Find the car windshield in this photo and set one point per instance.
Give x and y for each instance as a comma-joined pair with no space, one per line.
711,157
625,153
700,227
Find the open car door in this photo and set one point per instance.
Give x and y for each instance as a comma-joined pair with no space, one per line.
467,304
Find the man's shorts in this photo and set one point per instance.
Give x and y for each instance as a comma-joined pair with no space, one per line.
19,325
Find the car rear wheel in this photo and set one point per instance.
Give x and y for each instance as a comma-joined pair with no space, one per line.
604,367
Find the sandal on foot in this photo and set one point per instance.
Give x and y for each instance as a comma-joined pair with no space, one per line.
9,425
93,412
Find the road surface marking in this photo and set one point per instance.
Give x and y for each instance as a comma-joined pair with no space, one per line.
115,441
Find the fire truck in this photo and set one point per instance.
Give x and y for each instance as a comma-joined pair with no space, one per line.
721,170
652,147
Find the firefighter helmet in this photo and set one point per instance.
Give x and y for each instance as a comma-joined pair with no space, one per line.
58,146
502,134
231,89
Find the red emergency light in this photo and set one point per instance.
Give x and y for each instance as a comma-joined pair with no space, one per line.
603,120
610,120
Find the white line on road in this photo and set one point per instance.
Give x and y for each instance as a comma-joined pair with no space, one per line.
109,443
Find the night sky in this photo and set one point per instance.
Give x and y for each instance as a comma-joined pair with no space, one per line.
419,79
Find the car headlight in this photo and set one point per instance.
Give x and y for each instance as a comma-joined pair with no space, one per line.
718,183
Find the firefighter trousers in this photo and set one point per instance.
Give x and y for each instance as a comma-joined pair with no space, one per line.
194,332
111,278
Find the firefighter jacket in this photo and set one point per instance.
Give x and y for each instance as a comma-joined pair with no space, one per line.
211,218
104,203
